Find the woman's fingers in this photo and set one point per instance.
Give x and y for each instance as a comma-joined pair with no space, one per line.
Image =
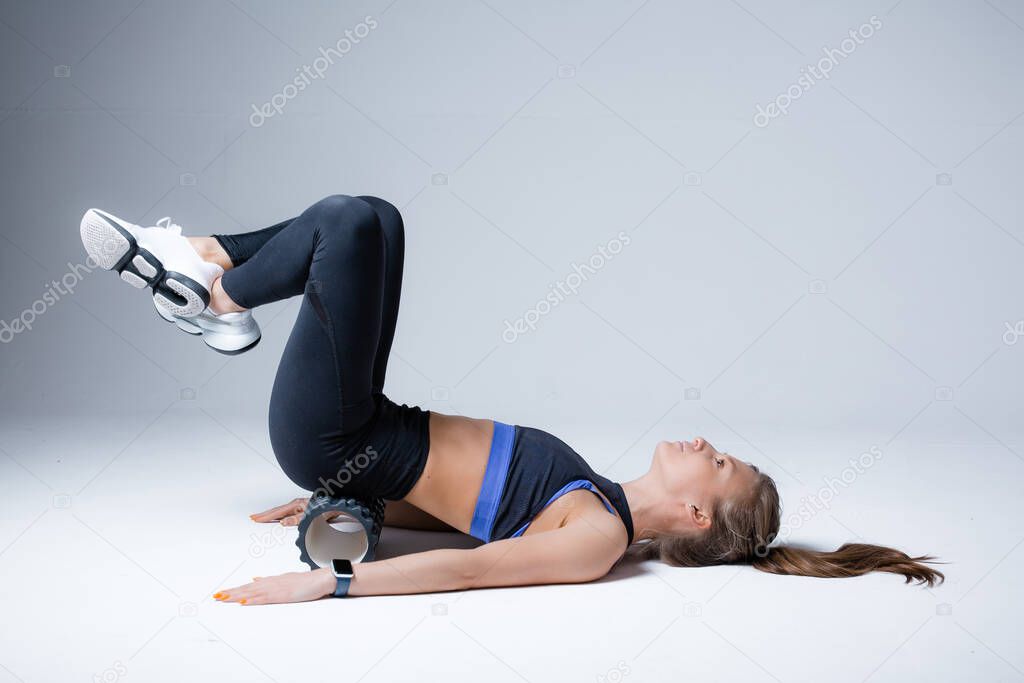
239,594
292,520
247,594
274,514
271,515
291,587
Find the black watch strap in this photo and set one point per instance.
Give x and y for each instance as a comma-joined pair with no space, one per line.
341,589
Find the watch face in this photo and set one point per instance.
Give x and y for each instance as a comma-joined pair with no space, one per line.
342,567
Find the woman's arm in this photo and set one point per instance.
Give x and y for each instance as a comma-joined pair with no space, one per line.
572,554
580,551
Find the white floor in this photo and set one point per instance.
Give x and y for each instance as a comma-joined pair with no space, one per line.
109,559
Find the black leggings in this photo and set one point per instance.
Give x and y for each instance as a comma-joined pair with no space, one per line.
345,255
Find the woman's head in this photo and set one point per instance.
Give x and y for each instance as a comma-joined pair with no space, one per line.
721,510
726,508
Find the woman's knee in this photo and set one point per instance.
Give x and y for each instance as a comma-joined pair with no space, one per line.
348,217
390,217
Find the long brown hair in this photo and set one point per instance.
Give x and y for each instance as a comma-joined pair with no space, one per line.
742,530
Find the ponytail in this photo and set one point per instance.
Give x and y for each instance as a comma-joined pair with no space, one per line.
851,559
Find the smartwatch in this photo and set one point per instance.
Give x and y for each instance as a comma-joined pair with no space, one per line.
342,570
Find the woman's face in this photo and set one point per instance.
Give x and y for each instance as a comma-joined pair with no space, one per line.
697,475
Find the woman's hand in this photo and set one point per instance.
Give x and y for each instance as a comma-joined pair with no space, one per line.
288,514
290,587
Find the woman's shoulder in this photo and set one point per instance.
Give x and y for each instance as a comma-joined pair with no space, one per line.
586,508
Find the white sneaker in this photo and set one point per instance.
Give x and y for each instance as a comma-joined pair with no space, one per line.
157,256
228,333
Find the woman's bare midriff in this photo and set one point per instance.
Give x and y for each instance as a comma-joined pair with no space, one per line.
451,479
454,472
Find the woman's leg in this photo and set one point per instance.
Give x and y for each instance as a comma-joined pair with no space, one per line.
241,247
210,250
394,257
345,256
333,254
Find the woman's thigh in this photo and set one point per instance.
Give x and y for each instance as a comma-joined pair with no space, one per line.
305,402
323,391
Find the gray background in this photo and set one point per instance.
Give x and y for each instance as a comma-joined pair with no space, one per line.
840,280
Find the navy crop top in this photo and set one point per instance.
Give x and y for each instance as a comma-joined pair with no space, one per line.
527,470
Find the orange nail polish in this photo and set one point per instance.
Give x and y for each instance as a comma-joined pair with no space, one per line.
242,601
217,596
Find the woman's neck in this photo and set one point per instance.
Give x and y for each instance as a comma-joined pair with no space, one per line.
645,508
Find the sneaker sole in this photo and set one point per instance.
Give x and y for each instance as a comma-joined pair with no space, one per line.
233,352
112,247
182,324
196,331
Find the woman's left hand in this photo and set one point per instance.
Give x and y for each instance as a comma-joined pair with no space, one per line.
288,514
290,587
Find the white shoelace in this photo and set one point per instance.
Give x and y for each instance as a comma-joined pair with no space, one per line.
166,223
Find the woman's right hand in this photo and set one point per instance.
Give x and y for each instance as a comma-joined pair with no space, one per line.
288,514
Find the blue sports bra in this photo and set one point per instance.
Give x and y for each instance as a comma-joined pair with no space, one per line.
527,470
571,486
